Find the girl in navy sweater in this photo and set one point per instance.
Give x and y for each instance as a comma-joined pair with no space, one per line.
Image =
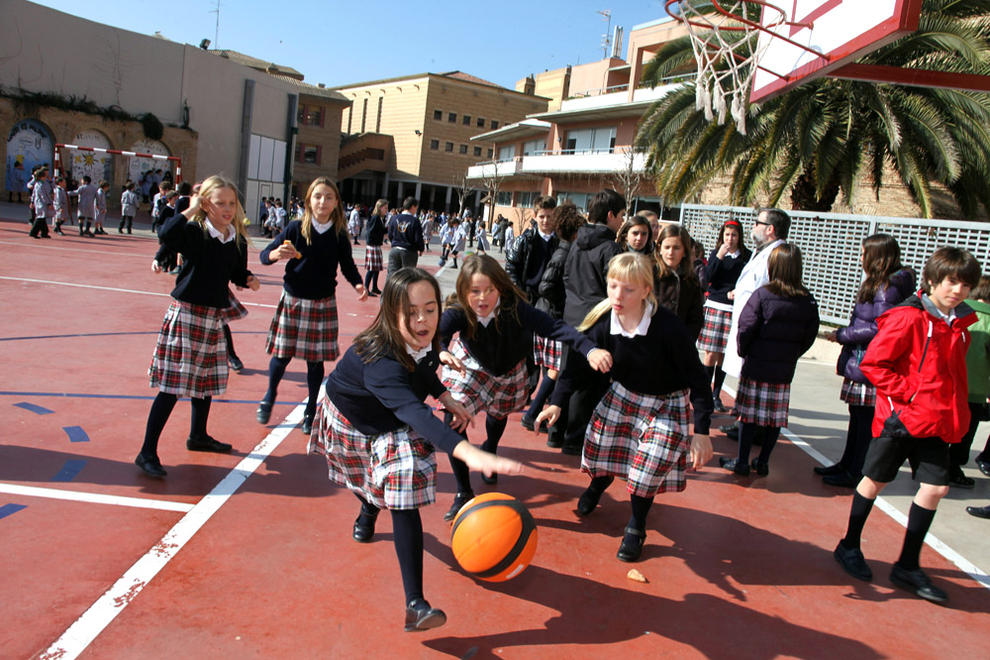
190,357
776,327
485,367
305,321
373,261
639,430
379,436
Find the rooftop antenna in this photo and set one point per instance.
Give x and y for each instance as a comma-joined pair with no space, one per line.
216,31
607,37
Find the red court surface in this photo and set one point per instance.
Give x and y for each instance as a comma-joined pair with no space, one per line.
736,568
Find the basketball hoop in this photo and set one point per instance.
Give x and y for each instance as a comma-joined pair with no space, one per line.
727,48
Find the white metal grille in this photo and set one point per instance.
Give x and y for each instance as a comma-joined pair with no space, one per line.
831,242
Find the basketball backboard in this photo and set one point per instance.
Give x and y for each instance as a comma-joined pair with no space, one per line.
819,36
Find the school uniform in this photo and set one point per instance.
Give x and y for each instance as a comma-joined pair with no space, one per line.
42,201
550,299
87,201
305,321
373,260
721,275
190,357
128,209
639,430
60,201
754,275
376,432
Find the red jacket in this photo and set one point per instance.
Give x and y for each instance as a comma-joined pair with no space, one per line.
918,364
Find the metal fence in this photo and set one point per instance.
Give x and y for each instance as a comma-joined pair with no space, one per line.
831,243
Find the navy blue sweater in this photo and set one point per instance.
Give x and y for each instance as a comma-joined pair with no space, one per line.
383,396
660,362
405,232
208,266
314,276
507,341
721,274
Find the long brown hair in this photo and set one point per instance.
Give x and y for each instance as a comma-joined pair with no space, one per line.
217,182
378,207
881,259
384,337
509,294
684,268
336,214
786,269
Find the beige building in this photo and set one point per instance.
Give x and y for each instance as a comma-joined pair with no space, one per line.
223,112
412,135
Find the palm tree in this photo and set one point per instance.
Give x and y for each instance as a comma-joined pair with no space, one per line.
824,136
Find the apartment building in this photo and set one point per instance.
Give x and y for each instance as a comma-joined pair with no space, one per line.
412,135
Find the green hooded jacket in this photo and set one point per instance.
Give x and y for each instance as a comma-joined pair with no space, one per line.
978,355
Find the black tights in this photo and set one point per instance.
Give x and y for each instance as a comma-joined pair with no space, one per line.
747,432
314,377
494,429
161,408
371,280
407,534
230,341
640,505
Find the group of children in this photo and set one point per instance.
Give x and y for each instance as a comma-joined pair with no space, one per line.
379,436
50,205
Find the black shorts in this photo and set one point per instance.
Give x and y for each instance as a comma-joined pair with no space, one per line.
928,457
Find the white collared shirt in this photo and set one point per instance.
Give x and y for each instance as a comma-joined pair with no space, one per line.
485,320
215,233
545,237
321,227
417,354
615,326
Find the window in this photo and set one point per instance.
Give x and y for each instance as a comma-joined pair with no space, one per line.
448,146
434,145
308,153
494,124
536,146
489,153
477,151
481,122
438,115
310,115
378,120
526,199
463,149
507,152
503,198
466,120
452,117
594,140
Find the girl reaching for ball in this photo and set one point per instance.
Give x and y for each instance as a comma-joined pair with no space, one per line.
485,368
639,430
379,436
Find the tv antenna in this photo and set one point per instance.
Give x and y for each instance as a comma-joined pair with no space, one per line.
606,38
216,30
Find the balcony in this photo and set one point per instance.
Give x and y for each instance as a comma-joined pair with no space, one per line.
548,163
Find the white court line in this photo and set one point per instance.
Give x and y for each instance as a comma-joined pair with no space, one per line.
101,613
111,288
94,498
931,540
47,246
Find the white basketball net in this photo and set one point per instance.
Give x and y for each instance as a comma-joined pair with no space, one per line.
727,52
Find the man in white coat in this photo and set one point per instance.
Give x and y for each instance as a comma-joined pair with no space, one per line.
769,231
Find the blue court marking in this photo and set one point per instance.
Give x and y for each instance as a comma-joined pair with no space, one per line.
33,408
10,509
72,467
75,433
142,397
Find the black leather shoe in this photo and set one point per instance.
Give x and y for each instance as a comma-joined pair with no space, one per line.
824,471
842,480
307,424
571,450
264,412
958,479
207,443
979,511
528,423
554,441
917,583
762,469
490,480
459,501
588,501
984,466
363,530
731,431
720,407
853,562
235,362
150,466
420,616
733,465
632,545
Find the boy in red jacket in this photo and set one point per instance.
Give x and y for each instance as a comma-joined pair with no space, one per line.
917,361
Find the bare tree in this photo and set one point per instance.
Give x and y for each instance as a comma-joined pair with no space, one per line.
629,178
463,189
492,181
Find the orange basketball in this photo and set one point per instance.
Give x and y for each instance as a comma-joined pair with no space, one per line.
493,537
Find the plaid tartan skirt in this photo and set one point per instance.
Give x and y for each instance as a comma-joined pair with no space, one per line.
190,357
304,329
395,470
715,331
373,258
642,438
547,352
235,311
479,391
763,404
858,394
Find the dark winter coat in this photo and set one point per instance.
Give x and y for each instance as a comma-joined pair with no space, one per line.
585,269
526,259
774,331
863,323
551,296
683,296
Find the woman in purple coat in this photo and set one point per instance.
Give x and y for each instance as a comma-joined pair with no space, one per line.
886,285
777,325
